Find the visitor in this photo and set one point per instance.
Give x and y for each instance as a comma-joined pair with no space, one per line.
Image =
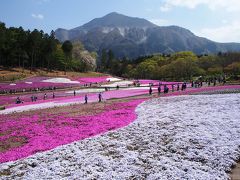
182,87
150,90
32,98
172,87
74,93
45,96
165,90
209,82
53,95
178,87
86,99
159,90
117,87
18,101
100,97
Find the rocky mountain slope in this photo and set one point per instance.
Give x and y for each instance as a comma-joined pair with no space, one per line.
133,37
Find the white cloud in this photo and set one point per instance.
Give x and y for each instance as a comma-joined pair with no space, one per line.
228,5
160,22
165,8
226,33
37,16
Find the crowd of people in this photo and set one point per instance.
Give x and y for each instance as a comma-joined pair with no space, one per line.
166,88
174,87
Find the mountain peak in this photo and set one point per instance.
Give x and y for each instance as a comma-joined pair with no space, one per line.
114,14
132,37
115,19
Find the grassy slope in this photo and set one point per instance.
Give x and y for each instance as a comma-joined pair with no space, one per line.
10,75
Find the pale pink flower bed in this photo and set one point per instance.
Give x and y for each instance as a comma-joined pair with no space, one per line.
86,80
46,131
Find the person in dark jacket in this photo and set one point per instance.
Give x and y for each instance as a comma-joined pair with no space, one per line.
159,90
86,99
150,90
100,97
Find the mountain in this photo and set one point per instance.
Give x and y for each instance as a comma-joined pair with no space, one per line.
133,37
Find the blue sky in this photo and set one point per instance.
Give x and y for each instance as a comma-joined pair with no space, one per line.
218,20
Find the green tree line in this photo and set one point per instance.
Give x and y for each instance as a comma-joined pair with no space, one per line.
178,66
36,49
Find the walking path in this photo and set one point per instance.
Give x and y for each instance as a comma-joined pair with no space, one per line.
235,174
122,93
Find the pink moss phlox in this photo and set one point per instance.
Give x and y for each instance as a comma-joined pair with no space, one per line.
47,132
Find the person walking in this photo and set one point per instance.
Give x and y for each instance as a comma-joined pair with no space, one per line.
100,97
32,98
150,90
45,96
86,99
53,96
74,93
178,87
159,90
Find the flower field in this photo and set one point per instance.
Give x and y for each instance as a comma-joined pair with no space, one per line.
63,124
193,142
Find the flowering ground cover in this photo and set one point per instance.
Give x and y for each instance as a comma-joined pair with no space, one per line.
199,140
119,83
46,82
44,130
38,82
100,79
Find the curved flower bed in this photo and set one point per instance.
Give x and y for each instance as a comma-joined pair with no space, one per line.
28,133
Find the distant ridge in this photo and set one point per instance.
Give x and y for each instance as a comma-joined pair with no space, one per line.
132,37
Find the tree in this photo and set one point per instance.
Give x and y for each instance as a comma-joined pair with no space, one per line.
49,47
103,60
2,41
110,59
146,69
33,45
233,68
67,49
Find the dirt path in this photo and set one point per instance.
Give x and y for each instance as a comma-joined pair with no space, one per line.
235,174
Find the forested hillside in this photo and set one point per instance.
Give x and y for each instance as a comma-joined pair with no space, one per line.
36,49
